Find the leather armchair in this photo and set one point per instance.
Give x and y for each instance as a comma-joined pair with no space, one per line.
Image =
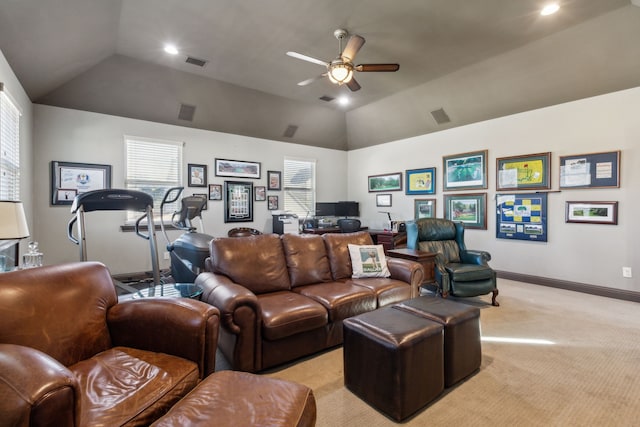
72,355
459,271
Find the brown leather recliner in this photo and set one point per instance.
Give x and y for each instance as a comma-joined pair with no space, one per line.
72,355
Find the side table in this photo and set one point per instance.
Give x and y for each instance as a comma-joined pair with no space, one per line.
427,259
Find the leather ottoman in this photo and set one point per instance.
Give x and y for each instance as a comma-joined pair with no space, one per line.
233,398
393,360
462,348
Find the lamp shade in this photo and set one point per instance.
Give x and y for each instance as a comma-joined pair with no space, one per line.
13,223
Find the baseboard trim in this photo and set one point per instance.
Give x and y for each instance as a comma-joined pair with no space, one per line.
602,291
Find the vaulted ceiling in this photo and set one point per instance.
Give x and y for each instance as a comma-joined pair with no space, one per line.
474,60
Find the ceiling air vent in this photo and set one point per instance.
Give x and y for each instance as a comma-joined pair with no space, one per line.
196,61
186,112
327,98
440,116
291,130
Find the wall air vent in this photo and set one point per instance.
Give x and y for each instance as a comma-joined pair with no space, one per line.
440,116
327,98
290,131
196,61
186,112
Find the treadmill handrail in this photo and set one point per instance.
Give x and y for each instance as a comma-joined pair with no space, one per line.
112,200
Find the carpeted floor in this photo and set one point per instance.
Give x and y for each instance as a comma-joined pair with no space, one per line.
585,371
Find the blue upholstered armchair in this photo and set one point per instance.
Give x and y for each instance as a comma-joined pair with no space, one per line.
459,271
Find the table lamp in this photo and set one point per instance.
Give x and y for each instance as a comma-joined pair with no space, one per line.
13,226
13,223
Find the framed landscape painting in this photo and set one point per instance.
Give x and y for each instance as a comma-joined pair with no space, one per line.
470,209
465,171
386,182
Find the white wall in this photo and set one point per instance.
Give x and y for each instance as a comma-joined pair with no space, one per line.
77,136
13,87
585,253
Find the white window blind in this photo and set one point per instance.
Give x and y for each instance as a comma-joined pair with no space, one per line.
9,148
153,167
299,184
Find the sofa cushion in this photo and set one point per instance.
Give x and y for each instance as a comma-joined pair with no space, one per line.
255,262
340,299
287,313
125,386
387,290
306,259
338,251
368,261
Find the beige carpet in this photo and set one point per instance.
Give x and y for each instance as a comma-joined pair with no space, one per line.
588,376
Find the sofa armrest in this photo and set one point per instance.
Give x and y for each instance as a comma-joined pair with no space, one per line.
475,257
408,271
181,327
36,389
229,297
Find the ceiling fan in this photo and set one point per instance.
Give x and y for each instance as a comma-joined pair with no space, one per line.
340,70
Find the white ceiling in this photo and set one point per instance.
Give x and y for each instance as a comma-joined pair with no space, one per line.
106,56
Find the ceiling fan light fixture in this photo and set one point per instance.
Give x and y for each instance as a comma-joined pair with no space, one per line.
340,72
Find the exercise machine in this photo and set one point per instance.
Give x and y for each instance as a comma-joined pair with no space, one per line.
189,251
116,200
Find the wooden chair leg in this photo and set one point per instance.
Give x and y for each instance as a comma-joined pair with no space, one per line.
493,298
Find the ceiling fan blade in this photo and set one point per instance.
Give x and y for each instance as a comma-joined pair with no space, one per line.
311,80
353,46
353,85
377,67
307,58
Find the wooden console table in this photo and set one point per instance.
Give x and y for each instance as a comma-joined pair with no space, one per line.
427,259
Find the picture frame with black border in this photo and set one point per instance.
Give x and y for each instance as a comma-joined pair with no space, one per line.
260,193
196,175
215,191
273,203
68,179
238,201
274,180
237,168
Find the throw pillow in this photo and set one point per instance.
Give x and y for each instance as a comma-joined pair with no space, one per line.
368,261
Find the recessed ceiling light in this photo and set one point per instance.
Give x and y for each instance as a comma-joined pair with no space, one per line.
343,100
169,48
550,9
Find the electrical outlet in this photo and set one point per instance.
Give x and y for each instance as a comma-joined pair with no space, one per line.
166,255
626,272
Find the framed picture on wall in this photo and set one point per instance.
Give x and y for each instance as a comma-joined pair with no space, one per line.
260,193
465,171
197,175
470,209
424,208
215,192
238,201
522,216
421,181
383,200
385,182
528,172
592,212
237,168
274,180
595,170
69,179
273,203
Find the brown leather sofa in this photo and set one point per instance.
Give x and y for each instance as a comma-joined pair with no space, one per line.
284,297
72,355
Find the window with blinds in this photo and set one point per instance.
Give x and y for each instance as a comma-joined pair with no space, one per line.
299,185
9,147
153,166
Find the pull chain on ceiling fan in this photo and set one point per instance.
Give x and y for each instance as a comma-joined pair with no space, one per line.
340,71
